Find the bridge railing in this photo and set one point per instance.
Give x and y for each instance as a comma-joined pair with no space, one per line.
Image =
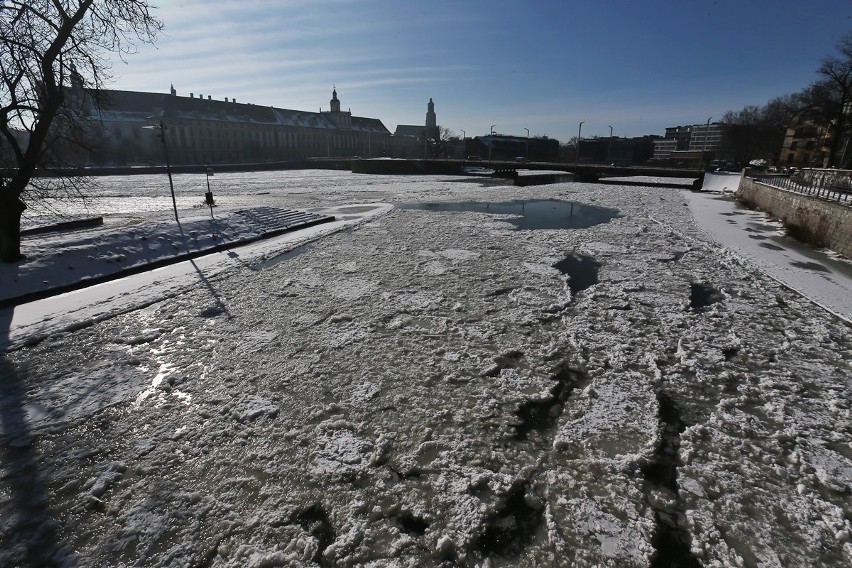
831,185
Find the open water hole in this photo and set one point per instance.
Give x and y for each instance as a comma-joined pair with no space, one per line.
530,214
703,295
582,271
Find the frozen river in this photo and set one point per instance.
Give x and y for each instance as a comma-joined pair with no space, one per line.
443,384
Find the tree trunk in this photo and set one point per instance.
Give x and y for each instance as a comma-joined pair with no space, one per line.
11,209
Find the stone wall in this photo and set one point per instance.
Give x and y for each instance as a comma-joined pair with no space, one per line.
813,219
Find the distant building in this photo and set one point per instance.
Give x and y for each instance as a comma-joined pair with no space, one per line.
815,140
508,148
663,149
201,130
806,142
688,146
617,150
412,141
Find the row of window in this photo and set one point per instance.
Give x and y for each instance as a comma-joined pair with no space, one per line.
201,135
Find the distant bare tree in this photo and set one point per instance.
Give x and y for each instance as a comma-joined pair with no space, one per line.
438,140
757,132
45,45
835,92
568,150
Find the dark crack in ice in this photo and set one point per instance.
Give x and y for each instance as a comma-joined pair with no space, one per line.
671,541
513,527
537,415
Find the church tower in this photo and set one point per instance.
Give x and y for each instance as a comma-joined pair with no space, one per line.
341,119
431,119
335,102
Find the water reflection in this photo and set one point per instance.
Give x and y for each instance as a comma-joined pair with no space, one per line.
531,214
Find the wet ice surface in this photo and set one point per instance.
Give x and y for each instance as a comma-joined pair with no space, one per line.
430,389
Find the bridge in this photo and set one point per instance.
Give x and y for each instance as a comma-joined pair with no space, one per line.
581,172
552,172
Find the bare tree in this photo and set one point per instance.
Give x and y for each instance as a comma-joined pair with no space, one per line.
837,72
831,97
568,150
757,132
438,140
53,61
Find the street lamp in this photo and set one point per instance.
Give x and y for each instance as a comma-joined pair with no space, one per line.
579,133
527,152
208,197
704,147
162,136
464,146
491,141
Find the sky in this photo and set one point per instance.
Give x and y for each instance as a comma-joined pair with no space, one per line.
537,65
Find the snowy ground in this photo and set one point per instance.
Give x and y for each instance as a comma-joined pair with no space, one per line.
819,274
431,388
62,259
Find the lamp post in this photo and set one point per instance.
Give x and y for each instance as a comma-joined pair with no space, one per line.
704,147
208,197
491,141
162,136
464,146
579,133
527,151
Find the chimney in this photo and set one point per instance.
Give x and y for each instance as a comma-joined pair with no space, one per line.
209,98
200,96
235,100
192,95
226,99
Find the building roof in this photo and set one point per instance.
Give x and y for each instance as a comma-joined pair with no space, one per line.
410,130
138,106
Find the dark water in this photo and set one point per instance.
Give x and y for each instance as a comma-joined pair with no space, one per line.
582,271
532,214
703,295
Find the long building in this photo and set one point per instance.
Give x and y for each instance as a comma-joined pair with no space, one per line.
201,130
685,145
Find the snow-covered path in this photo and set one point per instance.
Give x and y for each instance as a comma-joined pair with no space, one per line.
818,274
431,388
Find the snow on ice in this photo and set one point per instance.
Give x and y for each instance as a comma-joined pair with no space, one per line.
433,388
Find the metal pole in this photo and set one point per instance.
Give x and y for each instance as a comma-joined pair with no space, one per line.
491,141
209,196
527,151
168,167
704,147
579,133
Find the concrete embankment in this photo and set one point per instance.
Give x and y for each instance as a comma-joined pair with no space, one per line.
816,220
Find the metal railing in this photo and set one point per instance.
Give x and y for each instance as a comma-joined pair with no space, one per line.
831,185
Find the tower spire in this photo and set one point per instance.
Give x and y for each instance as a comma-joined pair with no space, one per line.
335,102
431,119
